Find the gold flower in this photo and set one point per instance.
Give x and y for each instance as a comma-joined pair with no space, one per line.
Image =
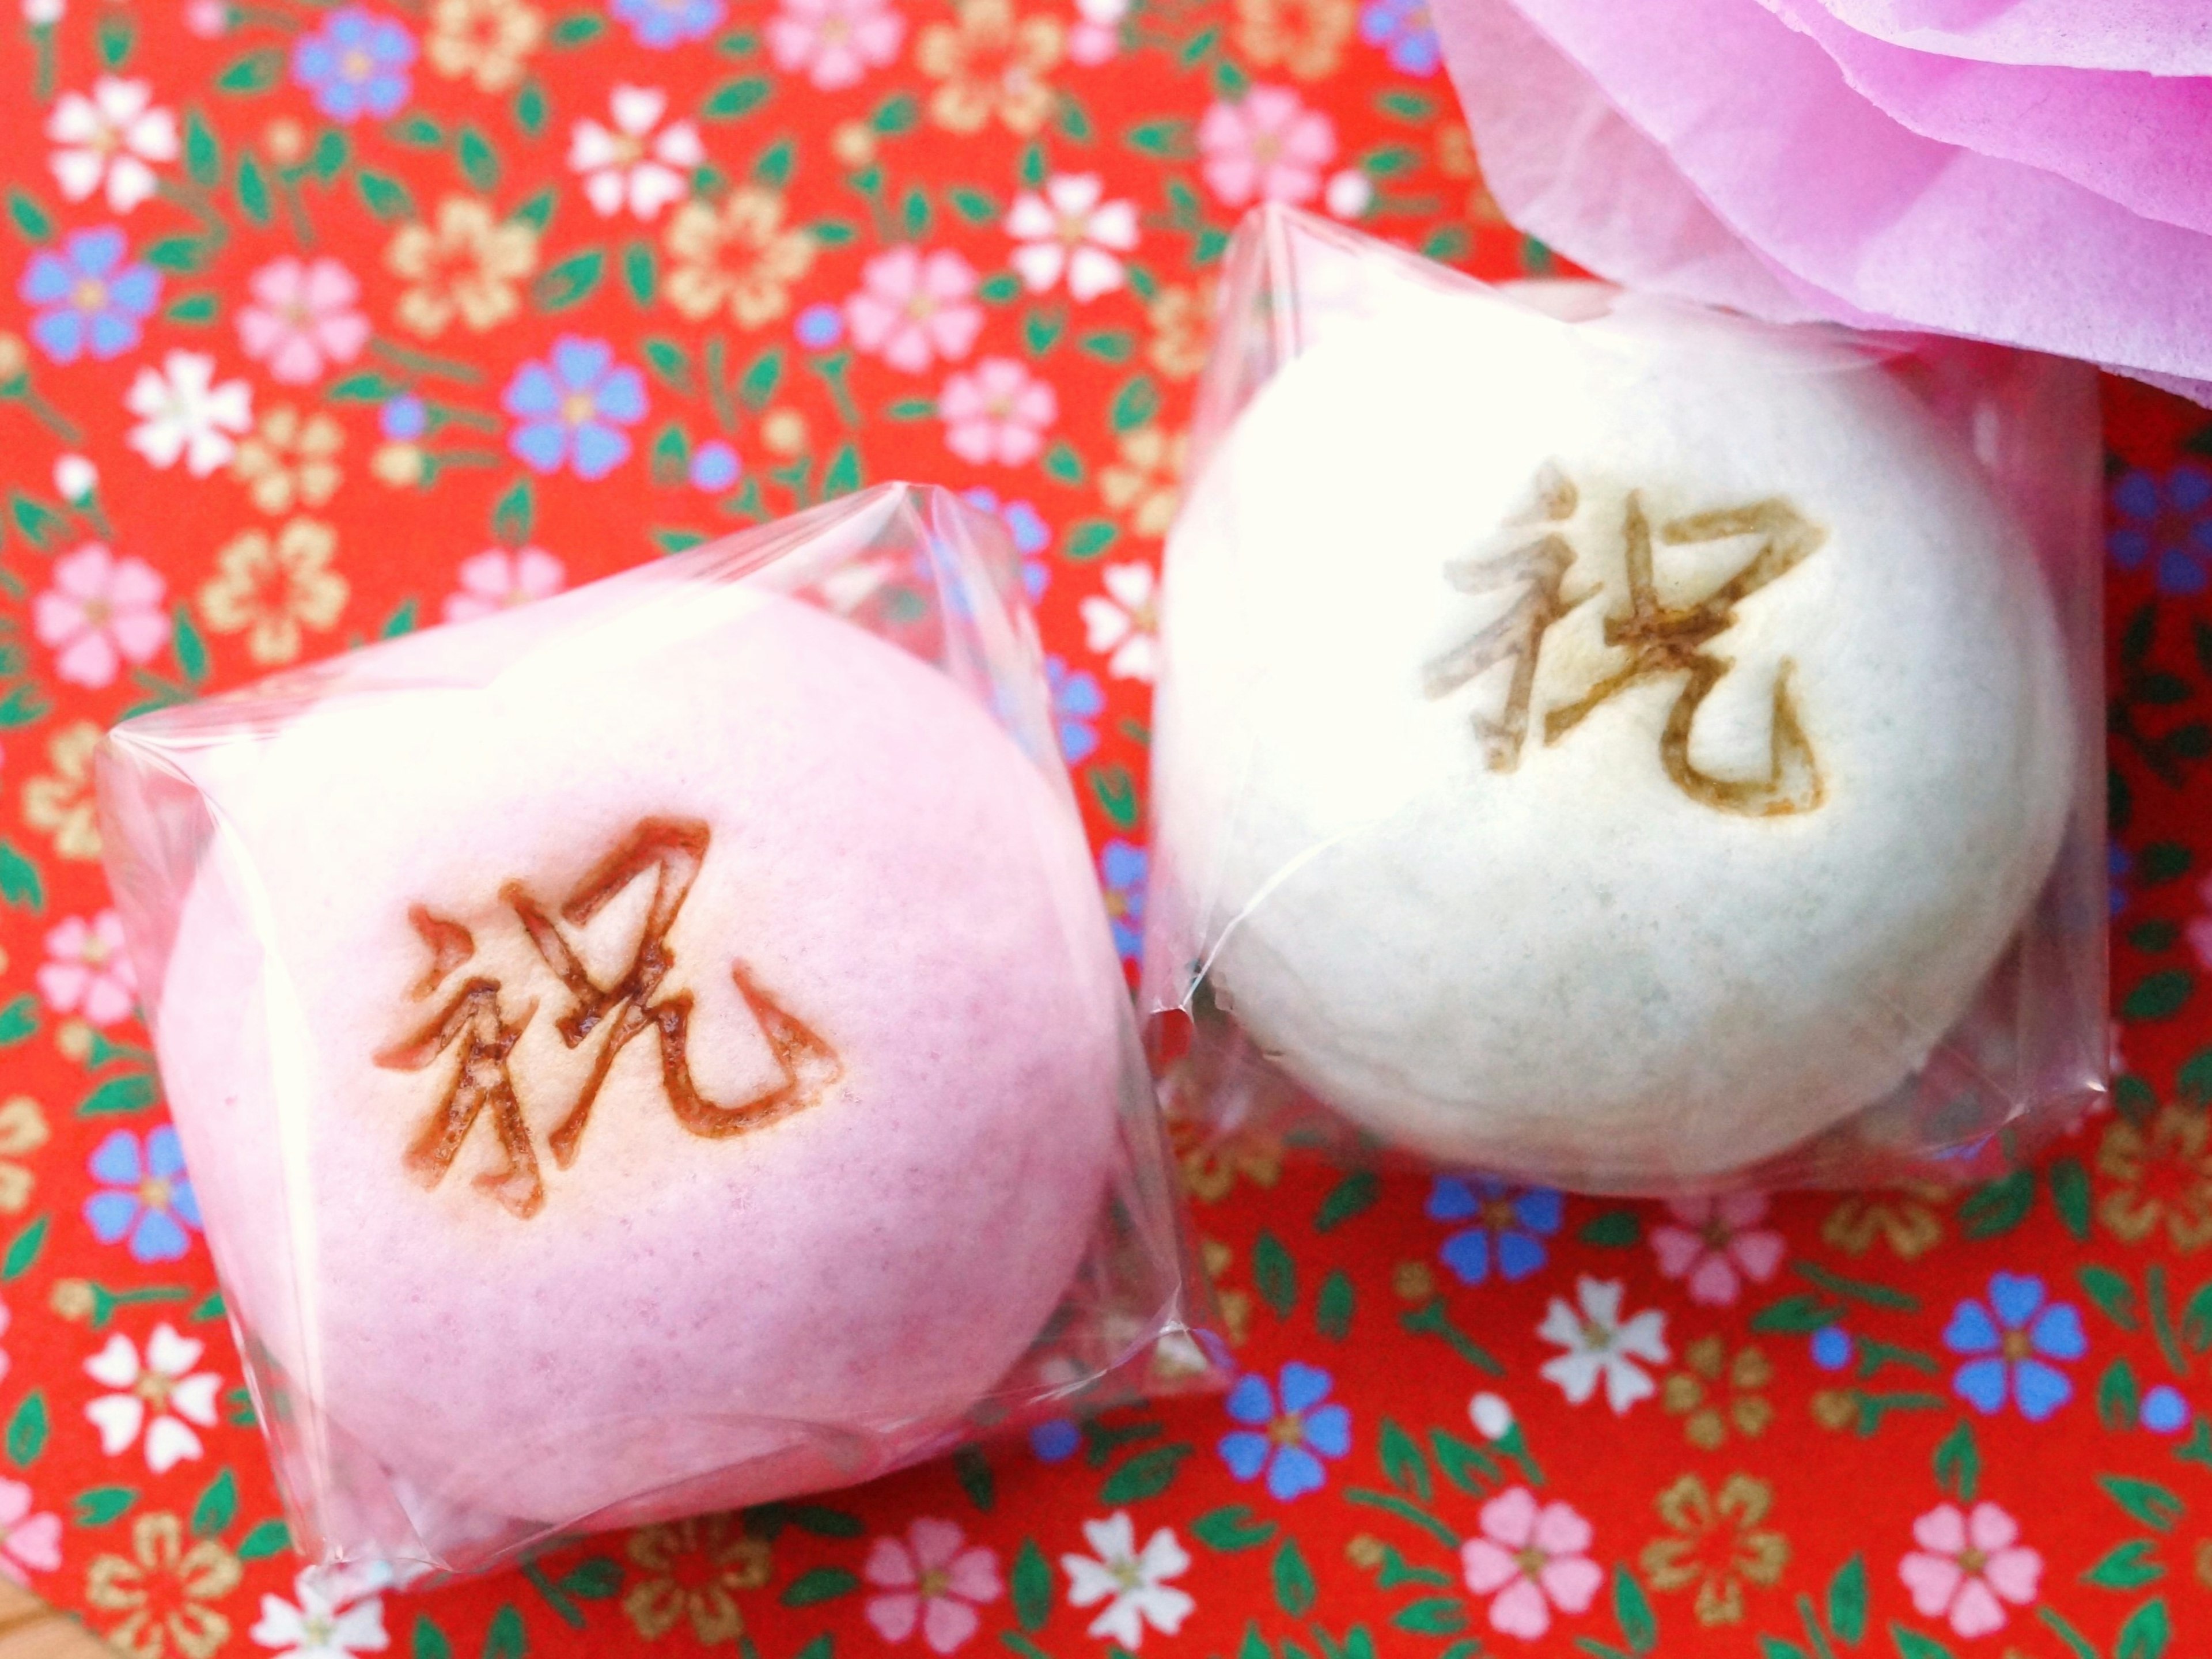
160,1587
274,587
468,267
991,63
1211,1166
286,461
2162,1172
1218,1259
1835,1410
1182,324
1413,1281
740,255
400,465
1146,483
60,802
14,358
1906,1221
483,39
285,141
23,1132
1716,1544
694,1570
783,432
1306,37
1713,1391
1455,159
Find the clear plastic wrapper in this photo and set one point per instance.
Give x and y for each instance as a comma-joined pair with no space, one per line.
1622,745
656,1050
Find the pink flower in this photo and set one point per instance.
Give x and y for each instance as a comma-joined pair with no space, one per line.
100,612
836,42
1269,146
496,580
998,413
914,309
929,1580
1534,1558
207,18
27,1541
1715,1243
86,971
302,320
1097,35
1968,1566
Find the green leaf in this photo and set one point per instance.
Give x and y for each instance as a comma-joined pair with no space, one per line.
1403,1462
1795,1316
2148,1502
179,253
2162,861
735,98
26,1430
1231,1528
23,1250
1073,120
202,154
506,1639
332,151
128,1091
1773,1647
1998,1206
190,308
418,130
577,28
819,1584
914,213
825,1522
1911,1645
759,379
257,71
669,363
1959,1463
19,1020
774,168
536,211
1031,166
1432,1615
1111,345
2126,1566
2159,995
479,166
429,1642
844,475
1166,140
34,518
2069,1196
30,218
387,197
2114,1297
2197,1319
1148,1474
1031,1582
269,1538
1274,1274
832,233
217,1506
2192,1083
1041,330
1847,1600
1136,403
253,189
2119,1400
1086,539
570,282
671,456
640,274
363,388
1294,1580
1613,1229
2154,936
897,113
997,290
1115,792
1063,464
973,1470
530,108
19,886
1465,1464
971,205
96,1506
1333,1306
1353,1196
2146,1633
186,639
401,621
1633,1609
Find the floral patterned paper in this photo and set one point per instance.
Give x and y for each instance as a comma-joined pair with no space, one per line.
320,322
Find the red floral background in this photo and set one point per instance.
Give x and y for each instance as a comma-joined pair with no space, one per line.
322,322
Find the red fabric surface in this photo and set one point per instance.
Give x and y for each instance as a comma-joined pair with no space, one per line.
1809,1469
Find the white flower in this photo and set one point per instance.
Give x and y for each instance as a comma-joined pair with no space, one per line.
42,14
1350,193
1123,622
628,163
183,412
1491,1417
1132,1582
329,1622
1070,231
113,135
75,478
164,1390
1599,1343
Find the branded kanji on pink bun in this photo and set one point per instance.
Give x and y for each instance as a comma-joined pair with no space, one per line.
657,1050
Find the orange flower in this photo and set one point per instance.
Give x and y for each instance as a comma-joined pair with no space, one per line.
486,40
1306,37
271,588
2162,1173
468,267
991,63
740,255
60,802
162,1587
1183,327
1146,483
693,1571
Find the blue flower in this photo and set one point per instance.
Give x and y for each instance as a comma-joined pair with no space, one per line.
570,411
99,300
2117,865
1057,1441
1402,29
2020,1335
2164,1411
1509,1227
1285,1445
2166,524
148,1199
662,24
715,466
1076,700
355,64
403,419
1125,868
819,327
1832,1347
1031,534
